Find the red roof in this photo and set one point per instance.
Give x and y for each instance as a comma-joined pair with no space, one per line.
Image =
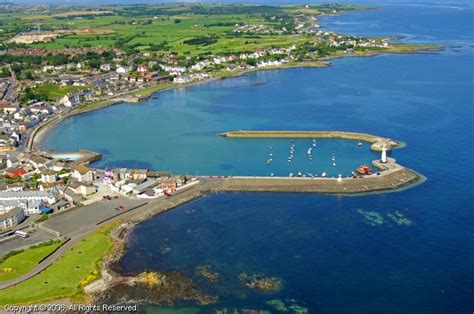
4,104
15,173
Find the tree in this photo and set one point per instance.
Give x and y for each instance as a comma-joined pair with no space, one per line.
29,75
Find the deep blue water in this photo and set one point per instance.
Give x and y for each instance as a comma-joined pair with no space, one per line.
329,257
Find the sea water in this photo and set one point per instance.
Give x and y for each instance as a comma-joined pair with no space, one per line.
404,252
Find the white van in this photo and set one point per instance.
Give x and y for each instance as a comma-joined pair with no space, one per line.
22,234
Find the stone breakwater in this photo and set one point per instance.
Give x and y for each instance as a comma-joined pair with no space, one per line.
389,181
392,176
377,142
167,287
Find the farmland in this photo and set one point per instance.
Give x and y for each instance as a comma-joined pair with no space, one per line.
167,28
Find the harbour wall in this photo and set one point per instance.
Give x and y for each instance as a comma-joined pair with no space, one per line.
392,179
377,142
396,177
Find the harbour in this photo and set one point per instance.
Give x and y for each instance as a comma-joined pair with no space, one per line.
330,251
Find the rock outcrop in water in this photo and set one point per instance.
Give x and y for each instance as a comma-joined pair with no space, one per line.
264,284
163,287
206,272
156,287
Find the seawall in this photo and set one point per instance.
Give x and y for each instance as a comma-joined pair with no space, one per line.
394,177
377,142
391,180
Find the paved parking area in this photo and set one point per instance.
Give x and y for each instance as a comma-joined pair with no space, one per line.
80,220
15,242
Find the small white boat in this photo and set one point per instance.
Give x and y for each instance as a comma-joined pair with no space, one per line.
333,158
324,174
334,164
291,174
359,144
269,161
310,150
299,174
271,155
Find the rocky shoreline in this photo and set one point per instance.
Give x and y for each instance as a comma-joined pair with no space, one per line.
151,287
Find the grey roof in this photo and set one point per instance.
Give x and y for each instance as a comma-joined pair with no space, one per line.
145,185
25,194
11,212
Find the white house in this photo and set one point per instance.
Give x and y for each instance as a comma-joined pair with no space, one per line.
48,176
12,218
123,69
31,202
83,174
105,67
84,189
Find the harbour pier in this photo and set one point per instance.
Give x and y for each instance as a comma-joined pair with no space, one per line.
377,142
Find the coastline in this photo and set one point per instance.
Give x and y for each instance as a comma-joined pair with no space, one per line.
394,179
40,131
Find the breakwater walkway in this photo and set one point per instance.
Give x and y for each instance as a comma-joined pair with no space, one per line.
377,142
392,177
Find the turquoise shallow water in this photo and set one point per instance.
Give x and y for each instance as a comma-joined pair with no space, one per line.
330,256
177,130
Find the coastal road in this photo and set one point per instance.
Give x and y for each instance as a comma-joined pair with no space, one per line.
10,93
78,223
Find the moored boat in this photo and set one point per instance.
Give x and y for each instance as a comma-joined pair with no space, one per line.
364,169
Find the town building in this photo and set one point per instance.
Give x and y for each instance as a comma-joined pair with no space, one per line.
83,174
11,218
83,189
168,185
48,176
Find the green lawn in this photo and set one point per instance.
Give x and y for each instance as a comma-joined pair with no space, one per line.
23,262
66,277
150,90
55,91
94,105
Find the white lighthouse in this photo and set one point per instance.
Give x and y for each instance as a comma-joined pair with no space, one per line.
383,158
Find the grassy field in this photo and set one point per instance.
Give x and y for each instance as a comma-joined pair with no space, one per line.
21,263
66,277
172,35
95,105
54,91
167,26
150,90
